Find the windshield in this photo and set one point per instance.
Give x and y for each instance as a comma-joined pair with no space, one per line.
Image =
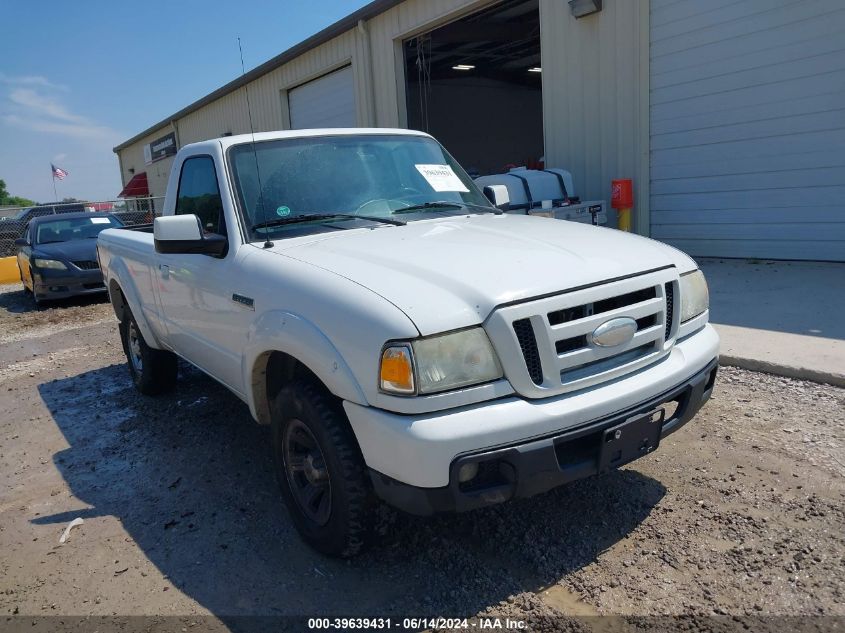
366,175
67,230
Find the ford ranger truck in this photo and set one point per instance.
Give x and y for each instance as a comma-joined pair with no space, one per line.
404,338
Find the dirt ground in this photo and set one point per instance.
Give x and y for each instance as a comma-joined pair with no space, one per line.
740,513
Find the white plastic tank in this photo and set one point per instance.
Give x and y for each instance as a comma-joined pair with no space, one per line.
529,187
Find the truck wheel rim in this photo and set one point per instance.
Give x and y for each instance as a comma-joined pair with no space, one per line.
306,472
135,348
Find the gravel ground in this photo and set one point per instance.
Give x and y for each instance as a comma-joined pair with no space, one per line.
740,513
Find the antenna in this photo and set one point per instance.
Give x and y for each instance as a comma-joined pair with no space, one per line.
267,242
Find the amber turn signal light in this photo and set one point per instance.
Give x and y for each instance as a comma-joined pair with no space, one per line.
396,374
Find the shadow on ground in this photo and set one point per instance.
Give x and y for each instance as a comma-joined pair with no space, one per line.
189,476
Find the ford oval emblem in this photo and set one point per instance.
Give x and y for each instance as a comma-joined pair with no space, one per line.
615,332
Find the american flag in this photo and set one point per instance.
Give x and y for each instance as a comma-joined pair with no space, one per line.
58,172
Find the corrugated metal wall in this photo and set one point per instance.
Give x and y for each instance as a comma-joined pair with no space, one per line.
595,97
748,127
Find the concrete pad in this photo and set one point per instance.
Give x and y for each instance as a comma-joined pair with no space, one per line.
785,318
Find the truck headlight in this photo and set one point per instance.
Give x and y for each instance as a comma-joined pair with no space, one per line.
695,297
50,263
439,363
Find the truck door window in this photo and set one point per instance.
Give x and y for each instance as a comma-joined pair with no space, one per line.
199,194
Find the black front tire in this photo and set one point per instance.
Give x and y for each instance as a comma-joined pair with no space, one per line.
153,371
347,528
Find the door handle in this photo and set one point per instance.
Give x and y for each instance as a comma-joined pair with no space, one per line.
165,270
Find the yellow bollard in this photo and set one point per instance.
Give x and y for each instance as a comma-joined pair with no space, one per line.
624,219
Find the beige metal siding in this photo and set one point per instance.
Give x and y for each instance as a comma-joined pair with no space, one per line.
229,113
595,97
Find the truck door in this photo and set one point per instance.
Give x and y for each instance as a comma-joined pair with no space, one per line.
195,291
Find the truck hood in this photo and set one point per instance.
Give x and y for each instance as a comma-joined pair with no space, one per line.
452,272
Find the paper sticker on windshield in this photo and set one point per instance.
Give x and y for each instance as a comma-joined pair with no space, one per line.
441,178
283,212
100,221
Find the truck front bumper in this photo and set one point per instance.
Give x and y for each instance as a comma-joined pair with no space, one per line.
530,468
415,459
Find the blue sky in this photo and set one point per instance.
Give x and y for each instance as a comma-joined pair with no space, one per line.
78,78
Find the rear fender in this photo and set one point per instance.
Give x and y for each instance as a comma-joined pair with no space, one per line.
123,291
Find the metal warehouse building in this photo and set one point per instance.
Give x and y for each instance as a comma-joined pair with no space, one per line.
729,115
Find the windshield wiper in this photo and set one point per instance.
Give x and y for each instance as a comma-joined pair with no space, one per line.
442,205
315,217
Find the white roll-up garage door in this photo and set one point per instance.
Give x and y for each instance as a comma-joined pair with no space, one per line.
325,102
748,127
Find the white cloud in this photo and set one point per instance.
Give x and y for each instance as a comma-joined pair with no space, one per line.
30,80
77,130
32,110
40,105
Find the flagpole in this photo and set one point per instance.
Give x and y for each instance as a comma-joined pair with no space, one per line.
55,195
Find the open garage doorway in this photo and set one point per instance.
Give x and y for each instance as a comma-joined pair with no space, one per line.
476,85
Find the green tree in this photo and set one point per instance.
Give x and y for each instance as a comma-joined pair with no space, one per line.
12,201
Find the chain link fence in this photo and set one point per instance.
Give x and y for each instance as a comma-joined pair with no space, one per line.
130,211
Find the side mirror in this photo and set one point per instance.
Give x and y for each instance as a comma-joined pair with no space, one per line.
183,234
21,241
499,196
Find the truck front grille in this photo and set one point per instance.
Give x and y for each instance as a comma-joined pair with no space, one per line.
87,264
670,307
551,338
528,345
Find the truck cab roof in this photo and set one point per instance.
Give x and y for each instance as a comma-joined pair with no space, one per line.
239,139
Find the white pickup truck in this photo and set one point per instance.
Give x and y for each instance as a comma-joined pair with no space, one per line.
404,338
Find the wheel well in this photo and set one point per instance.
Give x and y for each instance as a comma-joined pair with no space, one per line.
272,371
118,300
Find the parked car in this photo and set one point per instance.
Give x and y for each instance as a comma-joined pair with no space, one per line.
57,255
13,226
404,338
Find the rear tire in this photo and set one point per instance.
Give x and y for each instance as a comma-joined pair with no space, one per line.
321,471
153,371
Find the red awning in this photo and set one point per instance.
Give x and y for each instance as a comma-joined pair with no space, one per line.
136,188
